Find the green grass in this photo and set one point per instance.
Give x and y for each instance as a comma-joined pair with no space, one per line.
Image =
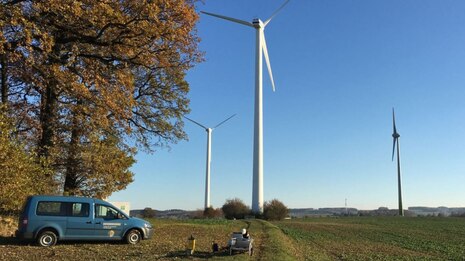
380,238
277,246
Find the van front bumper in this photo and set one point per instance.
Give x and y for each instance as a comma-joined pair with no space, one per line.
148,232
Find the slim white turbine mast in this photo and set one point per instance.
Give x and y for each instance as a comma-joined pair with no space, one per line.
395,137
260,47
209,139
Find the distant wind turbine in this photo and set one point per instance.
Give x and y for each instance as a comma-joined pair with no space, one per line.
395,137
209,139
260,50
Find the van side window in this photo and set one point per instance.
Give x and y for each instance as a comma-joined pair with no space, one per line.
80,210
55,208
105,212
50,208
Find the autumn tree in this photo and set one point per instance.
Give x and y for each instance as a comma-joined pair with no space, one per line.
102,167
275,210
20,175
148,213
211,212
235,208
89,77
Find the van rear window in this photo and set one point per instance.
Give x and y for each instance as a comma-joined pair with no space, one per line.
47,208
54,208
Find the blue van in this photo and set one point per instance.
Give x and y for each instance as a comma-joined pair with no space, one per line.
48,219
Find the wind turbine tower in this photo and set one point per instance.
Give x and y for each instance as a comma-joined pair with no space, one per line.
395,137
208,164
260,51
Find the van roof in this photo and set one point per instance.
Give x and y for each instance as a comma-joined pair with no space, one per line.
68,198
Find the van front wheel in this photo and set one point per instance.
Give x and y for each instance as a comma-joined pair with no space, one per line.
133,237
47,238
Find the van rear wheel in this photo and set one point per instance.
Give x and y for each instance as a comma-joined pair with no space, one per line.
133,237
47,238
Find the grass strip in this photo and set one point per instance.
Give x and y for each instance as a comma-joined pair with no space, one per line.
277,246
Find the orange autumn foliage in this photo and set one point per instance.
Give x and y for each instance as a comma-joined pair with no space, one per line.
85,74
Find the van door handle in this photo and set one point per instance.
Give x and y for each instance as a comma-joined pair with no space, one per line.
98,223
89,222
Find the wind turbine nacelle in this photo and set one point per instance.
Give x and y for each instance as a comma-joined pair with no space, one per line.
257,23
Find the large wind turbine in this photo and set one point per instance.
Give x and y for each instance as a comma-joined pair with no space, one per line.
395,138
260,49
209,139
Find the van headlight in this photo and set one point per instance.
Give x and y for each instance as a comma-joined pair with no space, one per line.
148,225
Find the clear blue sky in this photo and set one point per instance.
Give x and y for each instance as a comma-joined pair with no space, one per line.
339,68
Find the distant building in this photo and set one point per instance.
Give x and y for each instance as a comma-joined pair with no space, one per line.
311,212
124,206
439,211
426,211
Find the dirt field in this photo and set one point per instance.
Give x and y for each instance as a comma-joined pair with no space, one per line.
169,243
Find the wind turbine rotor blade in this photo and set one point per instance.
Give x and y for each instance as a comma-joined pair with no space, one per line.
275,13
229,18
195,122
394,122
267,59
224,121
393,147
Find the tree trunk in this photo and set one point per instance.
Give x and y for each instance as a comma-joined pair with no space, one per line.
3,79
48,113
72,163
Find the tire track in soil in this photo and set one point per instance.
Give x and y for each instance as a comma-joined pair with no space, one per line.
264,239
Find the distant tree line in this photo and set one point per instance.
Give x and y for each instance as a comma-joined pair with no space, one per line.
237,209
232,209
148,213
84,83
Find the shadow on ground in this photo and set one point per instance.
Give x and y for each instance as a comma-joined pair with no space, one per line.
197,254
10,241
